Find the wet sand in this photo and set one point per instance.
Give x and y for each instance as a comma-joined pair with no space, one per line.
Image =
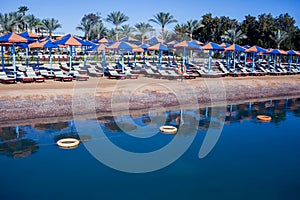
27,101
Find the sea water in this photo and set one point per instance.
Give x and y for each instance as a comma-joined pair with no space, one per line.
244,159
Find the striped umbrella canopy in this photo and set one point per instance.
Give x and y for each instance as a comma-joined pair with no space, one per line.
197,42
255,49
246,46
235,47
12,38
123,46
158,47
144,46
172,43
187,45
154,40
103,41
211,46
71,40
27,34
130,40
224,45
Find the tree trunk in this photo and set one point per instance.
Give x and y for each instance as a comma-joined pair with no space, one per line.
117,35
162,32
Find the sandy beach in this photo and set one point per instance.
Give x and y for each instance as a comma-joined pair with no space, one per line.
60,99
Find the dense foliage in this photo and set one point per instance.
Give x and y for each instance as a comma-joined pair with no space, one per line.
264,30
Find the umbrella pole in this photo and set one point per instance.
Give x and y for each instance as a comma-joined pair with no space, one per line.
269,61
253,62
37,58
2,52
122,62
184,55
274,69
84,62
297,64
50,49
14,60
128,58
234,54
290,63
103,60
245,60
70,65
153,56
209,61
173,60
169,59
26,58
159,57
134,57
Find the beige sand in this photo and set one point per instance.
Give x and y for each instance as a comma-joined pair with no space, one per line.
54,99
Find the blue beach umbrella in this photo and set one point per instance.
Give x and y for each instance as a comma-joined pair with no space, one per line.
101,48
235,48
71,41
13,38
186,45
255,50
291,53
153,40
211,46
159,47
123,46
145,48
275,52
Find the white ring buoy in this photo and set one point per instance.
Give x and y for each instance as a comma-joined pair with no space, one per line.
168,129
68,143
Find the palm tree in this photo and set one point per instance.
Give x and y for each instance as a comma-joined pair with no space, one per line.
23,10
7,23
98,30
51,25
163,19
279,37
117,18
85,26
126,30
33,22
143,28
191,26
180,32
233,35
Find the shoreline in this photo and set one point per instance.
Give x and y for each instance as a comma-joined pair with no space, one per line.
47,101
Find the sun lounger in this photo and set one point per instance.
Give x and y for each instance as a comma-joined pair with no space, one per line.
131,75
116,75
46,74
81,71
150,73
36,78
92,72
77,76
5,79
59,75
24,79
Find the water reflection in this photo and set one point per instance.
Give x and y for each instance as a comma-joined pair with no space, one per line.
22,141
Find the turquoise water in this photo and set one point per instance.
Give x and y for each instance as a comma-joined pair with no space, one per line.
250,159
